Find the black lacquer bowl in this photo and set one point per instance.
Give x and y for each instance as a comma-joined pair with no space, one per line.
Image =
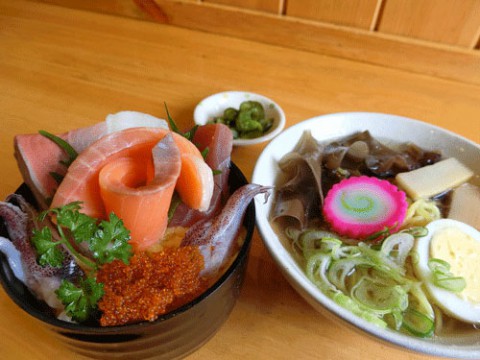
172,336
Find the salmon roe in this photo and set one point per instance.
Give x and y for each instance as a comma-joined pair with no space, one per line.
151,285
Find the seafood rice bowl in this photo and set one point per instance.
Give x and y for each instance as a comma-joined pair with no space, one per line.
134,281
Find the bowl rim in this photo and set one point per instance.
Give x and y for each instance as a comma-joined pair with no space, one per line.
273,132
127,328
315,297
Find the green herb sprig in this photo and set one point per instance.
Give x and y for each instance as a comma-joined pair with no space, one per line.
188,134
80,301
107,241
66,147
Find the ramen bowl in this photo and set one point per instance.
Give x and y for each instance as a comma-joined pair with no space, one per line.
214,106
172,336
386,128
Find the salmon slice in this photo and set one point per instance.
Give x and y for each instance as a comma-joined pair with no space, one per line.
218,139
142,205
81,183
38,156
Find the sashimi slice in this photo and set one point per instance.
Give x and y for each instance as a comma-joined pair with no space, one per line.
81,181
195,185
142,206
38,156
218,139
130,119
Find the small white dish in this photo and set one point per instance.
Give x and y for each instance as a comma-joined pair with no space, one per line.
384,127
214,105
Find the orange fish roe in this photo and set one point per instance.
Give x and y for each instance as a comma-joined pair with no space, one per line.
151,285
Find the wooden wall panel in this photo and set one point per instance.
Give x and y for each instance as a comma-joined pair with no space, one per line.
454,22
271,6
355,44
350,42
356,13
128,8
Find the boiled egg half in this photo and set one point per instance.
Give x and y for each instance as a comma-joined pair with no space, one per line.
459,245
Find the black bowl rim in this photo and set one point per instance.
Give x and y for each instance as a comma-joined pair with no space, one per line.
109,330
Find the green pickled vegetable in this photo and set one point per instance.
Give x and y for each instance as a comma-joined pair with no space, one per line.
248,122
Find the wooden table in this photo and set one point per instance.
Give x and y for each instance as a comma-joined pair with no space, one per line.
62,69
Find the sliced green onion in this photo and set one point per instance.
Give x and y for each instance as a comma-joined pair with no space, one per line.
379,298
340,269
379,235
454,284
373,282
312,240
418,300
347,303
316,270
416,231
383,263
397,247
438,265
443,278
418,324
397,316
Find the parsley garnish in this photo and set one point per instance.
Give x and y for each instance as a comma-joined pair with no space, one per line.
80,301
48,251
110,241
107,241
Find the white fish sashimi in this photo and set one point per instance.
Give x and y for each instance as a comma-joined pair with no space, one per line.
130,119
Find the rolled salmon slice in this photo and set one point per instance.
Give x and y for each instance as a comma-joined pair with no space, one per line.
142,205
81,182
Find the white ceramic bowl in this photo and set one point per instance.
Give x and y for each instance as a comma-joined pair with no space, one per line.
214,106
398,129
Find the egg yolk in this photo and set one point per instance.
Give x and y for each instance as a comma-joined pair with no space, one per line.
462,252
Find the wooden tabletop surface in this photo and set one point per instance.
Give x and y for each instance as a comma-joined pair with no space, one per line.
61,69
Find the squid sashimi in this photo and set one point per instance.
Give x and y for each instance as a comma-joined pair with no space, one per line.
142,206
194,184
218,140
38,157
216,237
20,218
